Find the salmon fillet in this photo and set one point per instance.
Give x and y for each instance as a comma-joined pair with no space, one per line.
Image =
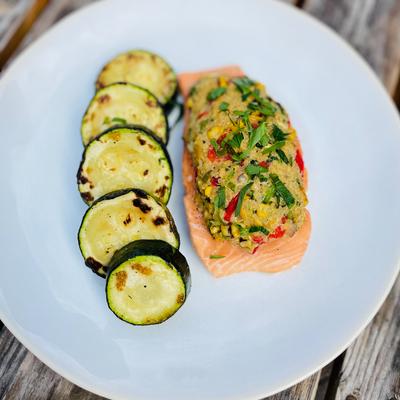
274,256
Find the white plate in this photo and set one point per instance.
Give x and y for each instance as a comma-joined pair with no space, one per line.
240,337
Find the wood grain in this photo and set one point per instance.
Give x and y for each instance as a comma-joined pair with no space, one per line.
371,26
18,29
371,366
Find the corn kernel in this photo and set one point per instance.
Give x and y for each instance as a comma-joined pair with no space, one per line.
214,229
235,231
262,211
189,103
215,132
222,81
260,86
225,230
241,124
208,191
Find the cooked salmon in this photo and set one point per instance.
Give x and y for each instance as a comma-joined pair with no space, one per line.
221,257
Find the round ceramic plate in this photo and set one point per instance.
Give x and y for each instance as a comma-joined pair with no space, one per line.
240,337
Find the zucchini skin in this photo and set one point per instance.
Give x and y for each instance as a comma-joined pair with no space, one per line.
152,248
94,265
169,103
133,127
167,130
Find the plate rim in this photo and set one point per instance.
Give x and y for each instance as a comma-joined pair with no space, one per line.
39,351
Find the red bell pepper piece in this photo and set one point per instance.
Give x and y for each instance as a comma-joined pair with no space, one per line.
277,233
202,114
299,160
263,164
214,181
257,239
228,157
230,209
221,138
255,249
212,154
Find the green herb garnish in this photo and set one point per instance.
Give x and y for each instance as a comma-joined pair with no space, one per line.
215,93
220,151
106,120
254,229
118,120
216,257
244,86
256,135
274,147
253,170
223,106
268,194
261,104
242,193
282,156
220,198
282,190
236,140
278,134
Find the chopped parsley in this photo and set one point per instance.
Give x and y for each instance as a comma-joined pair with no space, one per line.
223,106
236,140
269,194
220,151
261,104
282,191
216,256
282,156
261,229
253,169
274,147
106,120
256,135
244,85
278,134
220,198
242,193
215,93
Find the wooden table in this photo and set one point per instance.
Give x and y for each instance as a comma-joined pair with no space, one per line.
370,367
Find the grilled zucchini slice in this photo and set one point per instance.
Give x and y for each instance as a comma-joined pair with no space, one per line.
119,218
148,281
122,104
122,158
141,68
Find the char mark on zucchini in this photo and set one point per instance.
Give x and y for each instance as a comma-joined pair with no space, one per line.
115,161
113,221
147,283
126,104
144,69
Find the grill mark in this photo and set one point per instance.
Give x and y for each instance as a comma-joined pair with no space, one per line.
87,196
93,264
144,208
159,221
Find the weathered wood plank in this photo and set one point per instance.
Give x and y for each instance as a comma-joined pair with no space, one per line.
23,376
371,26
18,27
371,366
305,390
